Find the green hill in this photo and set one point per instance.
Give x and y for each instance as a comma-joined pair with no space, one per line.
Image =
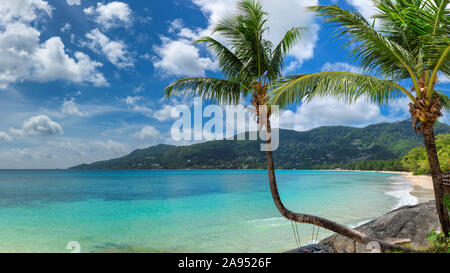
297,150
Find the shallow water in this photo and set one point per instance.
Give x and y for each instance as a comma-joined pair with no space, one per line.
182,210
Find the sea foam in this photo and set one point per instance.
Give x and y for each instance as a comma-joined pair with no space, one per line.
402,191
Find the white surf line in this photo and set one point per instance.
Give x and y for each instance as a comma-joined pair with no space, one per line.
402,191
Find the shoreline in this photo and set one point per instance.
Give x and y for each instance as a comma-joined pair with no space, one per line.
422,185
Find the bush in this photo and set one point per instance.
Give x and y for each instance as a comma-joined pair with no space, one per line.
440,243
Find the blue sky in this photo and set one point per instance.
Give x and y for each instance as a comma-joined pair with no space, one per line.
83,80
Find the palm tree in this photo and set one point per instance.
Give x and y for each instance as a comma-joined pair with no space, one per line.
251,65
409,43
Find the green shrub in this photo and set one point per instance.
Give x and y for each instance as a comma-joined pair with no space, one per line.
439,243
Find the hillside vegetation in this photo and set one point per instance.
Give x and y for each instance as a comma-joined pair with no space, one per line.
416,160
323,146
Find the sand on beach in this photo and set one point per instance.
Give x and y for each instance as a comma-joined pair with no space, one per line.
423,181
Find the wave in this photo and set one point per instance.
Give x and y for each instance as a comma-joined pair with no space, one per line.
402,191
271,221
263,220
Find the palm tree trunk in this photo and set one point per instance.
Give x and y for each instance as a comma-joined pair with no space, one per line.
311,219
436,174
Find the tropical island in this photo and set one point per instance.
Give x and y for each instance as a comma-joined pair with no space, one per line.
110,81
379,147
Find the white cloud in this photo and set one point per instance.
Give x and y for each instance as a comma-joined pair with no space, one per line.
113,146
339,66
145,56
111,15
148,132
132,102
283,15
66,27
24,11
53,63
181,58
329,111
69,107
24,58
115,51
61,153
73,2
165,113
365,7
5,136
40,125
15,156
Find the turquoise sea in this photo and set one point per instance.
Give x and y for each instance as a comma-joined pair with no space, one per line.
182,210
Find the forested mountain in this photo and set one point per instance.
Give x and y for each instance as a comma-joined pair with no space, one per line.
297,150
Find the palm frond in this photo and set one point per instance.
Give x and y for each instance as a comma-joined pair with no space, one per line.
374,51
444,99
345,86
278,55
231,66
211,89
421,26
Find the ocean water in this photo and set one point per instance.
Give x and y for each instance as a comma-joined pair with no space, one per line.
182,210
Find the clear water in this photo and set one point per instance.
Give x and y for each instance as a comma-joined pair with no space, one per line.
181,210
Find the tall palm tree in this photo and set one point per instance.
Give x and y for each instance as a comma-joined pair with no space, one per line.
251,65
407,43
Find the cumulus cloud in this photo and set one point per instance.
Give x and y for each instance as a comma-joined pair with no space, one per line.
24,11
24,58
328,111
40,125
53,63
73,2
111,15
331,111
115,51
283,16
148,132
167,112
181,58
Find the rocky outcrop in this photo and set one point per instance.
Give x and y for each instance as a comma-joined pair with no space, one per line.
405,225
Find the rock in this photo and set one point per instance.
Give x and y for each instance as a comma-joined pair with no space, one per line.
313,248
408,224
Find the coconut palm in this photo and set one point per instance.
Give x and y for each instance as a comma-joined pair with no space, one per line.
251,65
407,43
